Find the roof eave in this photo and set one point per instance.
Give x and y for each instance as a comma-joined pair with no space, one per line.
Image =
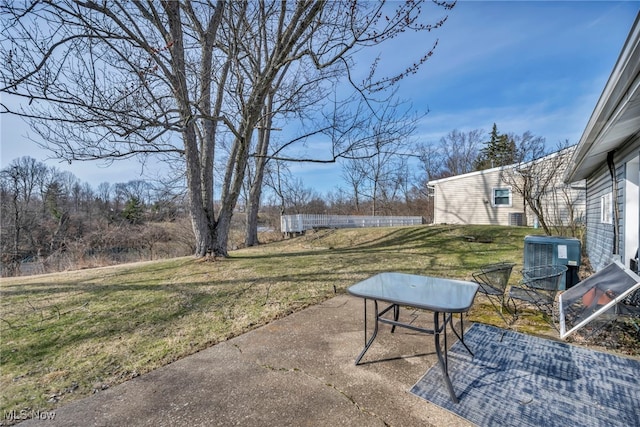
614,119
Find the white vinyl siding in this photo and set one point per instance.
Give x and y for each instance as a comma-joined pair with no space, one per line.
469,199
485,198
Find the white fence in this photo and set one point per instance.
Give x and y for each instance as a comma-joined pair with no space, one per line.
302,222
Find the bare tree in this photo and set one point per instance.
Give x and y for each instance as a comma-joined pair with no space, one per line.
19,182
402,184
138,189
355,176
431,162
296,90
539,182
56,203
276,178
112,80
455,154
297,196
286,98
340,202
530,147
104,193
384,144
255,179
383,172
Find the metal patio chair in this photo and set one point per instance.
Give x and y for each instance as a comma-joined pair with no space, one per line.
493,281
629,309
539,287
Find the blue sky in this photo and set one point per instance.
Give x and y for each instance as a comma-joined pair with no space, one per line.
537,66
527,66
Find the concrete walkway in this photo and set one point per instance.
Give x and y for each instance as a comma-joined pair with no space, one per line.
296,371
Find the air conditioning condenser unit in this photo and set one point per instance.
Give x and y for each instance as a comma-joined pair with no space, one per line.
554,250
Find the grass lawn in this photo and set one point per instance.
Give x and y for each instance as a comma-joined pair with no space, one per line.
67,335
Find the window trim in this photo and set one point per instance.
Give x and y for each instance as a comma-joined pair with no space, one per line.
501,205
606,208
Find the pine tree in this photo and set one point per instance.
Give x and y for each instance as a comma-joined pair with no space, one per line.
500,150
133,210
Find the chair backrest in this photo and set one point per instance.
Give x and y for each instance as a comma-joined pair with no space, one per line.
633,299
545,277
495,275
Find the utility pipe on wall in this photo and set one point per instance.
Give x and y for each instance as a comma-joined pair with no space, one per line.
614,201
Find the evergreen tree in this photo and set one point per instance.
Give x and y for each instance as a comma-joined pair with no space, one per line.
500,150
52,200
133,210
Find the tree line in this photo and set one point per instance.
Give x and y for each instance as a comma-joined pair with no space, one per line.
461,152
51,216
52,221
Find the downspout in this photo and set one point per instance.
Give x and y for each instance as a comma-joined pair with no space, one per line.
431,194
614,201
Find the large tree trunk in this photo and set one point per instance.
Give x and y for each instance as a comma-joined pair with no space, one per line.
200,215
251,232
255,191
206,220
253,206
231,190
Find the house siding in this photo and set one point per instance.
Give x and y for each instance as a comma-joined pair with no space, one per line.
565,205
466,199
620,205
626,154
600,237
614,127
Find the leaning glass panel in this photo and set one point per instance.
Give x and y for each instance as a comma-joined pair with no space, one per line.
597,299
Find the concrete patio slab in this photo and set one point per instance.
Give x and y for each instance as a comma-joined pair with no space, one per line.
298,370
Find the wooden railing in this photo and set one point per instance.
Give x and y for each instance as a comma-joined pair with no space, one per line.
302,222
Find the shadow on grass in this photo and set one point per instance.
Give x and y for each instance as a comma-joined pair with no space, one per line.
425,240
161,307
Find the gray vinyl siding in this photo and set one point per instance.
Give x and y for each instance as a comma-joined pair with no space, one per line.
613,128
627,153
621,177
599,239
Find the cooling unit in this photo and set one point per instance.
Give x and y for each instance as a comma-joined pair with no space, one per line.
554,250
516,219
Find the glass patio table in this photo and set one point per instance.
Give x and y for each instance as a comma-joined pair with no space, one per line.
443,297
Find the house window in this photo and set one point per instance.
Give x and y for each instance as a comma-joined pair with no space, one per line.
606,209
501,197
